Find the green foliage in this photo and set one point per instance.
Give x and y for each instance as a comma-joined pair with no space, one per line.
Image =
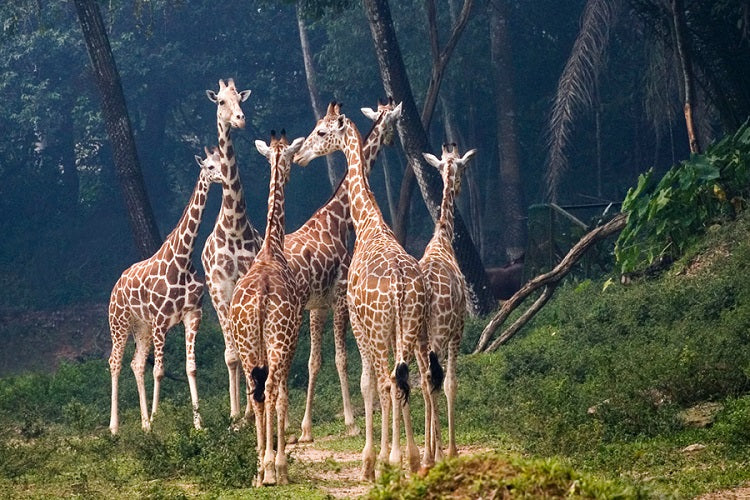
493,476
667,217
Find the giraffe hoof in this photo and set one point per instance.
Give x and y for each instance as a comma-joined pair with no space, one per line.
292,439
306,437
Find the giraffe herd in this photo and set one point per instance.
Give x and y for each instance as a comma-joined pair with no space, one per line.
399,308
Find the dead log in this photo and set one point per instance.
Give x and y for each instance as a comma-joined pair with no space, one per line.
549,280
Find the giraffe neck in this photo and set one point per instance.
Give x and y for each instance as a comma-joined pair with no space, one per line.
273,243
364,209
373,143
444,226
233,215
181,240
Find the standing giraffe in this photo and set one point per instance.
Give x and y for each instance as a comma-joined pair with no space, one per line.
319,256
233,243
386,298
447,288
155,294
265,317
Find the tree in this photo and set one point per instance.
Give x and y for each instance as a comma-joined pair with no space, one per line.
414,142
511,196
114,110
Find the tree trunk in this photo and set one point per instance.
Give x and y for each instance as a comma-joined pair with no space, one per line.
686,67
312,88
414,141
114,110
511,194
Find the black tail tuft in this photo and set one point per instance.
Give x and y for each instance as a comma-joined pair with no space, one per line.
436,372
259,375
402,379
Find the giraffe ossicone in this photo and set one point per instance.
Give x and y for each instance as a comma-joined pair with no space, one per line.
154,295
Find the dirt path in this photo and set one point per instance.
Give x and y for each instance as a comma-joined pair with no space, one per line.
337,472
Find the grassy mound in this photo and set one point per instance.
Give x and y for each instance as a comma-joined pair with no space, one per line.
496,476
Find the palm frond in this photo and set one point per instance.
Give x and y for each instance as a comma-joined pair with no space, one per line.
576,85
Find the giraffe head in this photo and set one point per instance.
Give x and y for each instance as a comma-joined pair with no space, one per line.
326,137
451,166
279,152
386,116
211,165
228,101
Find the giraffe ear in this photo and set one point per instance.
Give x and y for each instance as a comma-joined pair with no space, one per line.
468,156
341,121
295,145
211,95
244,95
262,147
397,110
199,161
432,160
369,113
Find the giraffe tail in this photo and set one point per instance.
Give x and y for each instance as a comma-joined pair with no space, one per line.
401,371
436,372
259,375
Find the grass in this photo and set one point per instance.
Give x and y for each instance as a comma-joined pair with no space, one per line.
588,399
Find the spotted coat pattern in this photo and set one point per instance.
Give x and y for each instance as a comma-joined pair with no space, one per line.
155,294
233,243
446,288
265,316
386,298
319,256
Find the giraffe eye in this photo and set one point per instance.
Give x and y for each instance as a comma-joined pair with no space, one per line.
221,103
321,133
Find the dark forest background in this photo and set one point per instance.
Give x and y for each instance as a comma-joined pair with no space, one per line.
65,233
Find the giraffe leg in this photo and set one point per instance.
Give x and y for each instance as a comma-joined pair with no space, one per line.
428,459
272,389
142,336
367,386
192,321
282,403
159,337
260,433
119,334
317,320
395,456
451,385
231,357
384,391
340,319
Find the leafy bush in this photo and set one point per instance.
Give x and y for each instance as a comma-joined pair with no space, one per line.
665,218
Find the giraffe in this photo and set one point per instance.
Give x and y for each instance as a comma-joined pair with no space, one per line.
265,316
155,294
386,298
233,243
319,256
447,288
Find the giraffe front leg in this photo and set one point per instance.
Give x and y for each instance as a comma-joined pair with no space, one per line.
317,319
119,336
269,467
451,385
192,322
340,319
159,336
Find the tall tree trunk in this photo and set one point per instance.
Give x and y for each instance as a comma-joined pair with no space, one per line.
414,141
440,58
511,194
140,215
679,25
312,88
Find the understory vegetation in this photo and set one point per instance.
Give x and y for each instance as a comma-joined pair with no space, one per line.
606,384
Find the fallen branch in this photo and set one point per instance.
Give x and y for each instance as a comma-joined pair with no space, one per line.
549,280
